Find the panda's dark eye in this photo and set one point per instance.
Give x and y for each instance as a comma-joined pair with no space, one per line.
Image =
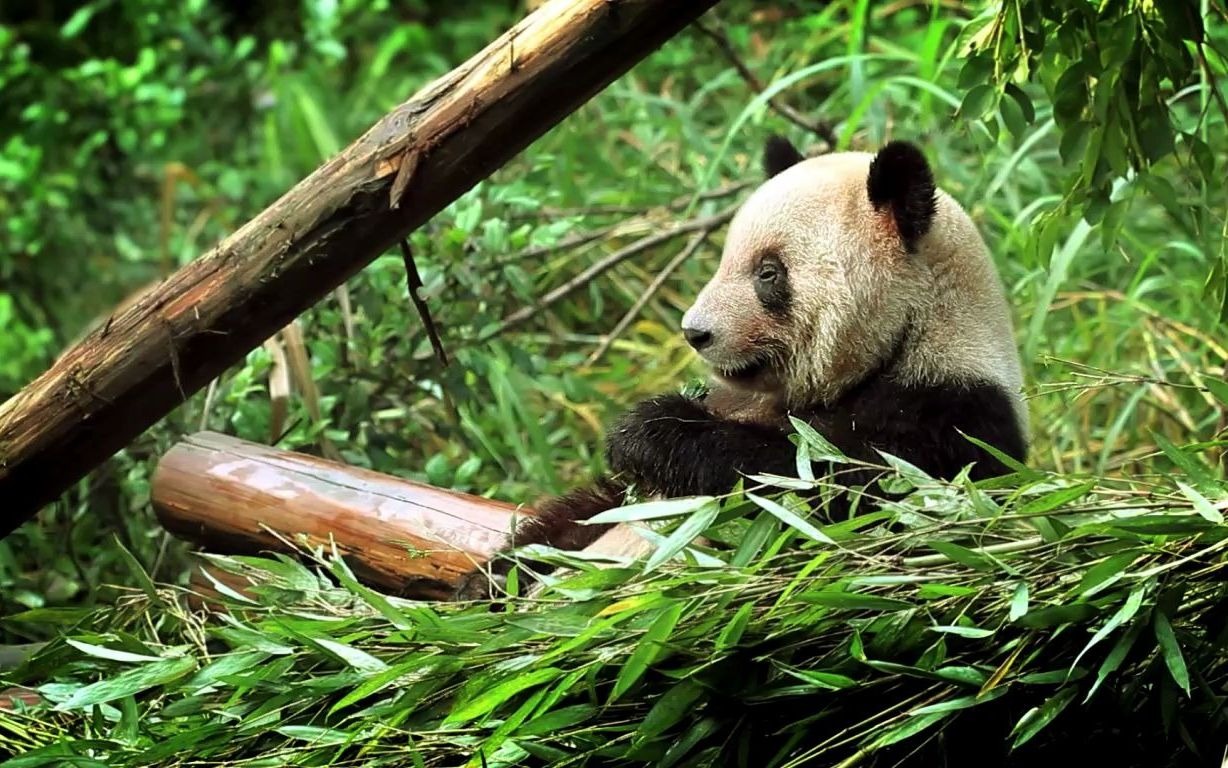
768,273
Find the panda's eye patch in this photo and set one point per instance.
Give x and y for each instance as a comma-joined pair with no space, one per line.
769,270
772,286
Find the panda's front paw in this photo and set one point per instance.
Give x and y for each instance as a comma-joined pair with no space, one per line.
659,417
645,440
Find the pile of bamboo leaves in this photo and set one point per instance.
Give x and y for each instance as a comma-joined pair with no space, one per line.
1037,617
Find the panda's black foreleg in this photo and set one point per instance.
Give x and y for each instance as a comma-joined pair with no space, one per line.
555,523
671,445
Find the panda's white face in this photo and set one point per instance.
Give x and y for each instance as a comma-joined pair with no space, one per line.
842,263
813,287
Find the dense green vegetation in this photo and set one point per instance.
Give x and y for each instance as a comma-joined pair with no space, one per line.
1081,596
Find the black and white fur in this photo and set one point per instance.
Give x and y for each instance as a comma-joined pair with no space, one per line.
852,294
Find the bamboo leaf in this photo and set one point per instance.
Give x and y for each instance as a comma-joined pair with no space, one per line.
677,703
1218,388
651,510
1115,658
1123,615
907,470
317,736
557,720
1056,499
974,633
683,535
1035,719
225,589
829,680
962,675
818,447
373,598
732,632
962,555
129,683
379,681
358,659
1019,601
791,519
1196,470
137,570
1002,671
962,702
910,727
646,649
224,666
803,464
1171,651
112,654
1107,572
486,701
1202,505
1056,615
854,601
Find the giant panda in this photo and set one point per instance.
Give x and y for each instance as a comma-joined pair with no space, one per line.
851,294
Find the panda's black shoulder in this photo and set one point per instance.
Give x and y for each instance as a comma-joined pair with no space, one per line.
926,425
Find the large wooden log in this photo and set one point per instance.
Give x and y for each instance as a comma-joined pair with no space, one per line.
237,497
408,538
146,360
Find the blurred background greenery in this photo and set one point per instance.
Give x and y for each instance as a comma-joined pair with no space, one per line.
137,133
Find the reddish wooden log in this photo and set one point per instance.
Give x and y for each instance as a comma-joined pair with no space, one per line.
427,152
18,696
236,497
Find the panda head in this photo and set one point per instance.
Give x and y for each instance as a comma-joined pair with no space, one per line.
841,264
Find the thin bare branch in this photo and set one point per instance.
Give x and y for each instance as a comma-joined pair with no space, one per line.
691,247
818,127
605,264
678,203
424,312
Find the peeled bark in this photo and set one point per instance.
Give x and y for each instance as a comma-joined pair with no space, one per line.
236,497
144,361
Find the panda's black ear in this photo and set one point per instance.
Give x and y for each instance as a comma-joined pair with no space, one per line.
901,178
779,154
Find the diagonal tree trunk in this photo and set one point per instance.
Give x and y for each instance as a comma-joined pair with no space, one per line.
143,362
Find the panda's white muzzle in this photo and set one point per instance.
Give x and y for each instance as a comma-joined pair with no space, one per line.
719,326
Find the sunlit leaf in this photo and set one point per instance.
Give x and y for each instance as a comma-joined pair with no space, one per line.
129,683
112,654
652,510
789,518
1019,601
1036,719
683,535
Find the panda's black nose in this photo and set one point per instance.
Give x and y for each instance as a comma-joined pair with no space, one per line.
697,337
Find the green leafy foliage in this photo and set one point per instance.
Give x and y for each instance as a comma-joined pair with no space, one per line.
1130,83
1084,138
680,664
